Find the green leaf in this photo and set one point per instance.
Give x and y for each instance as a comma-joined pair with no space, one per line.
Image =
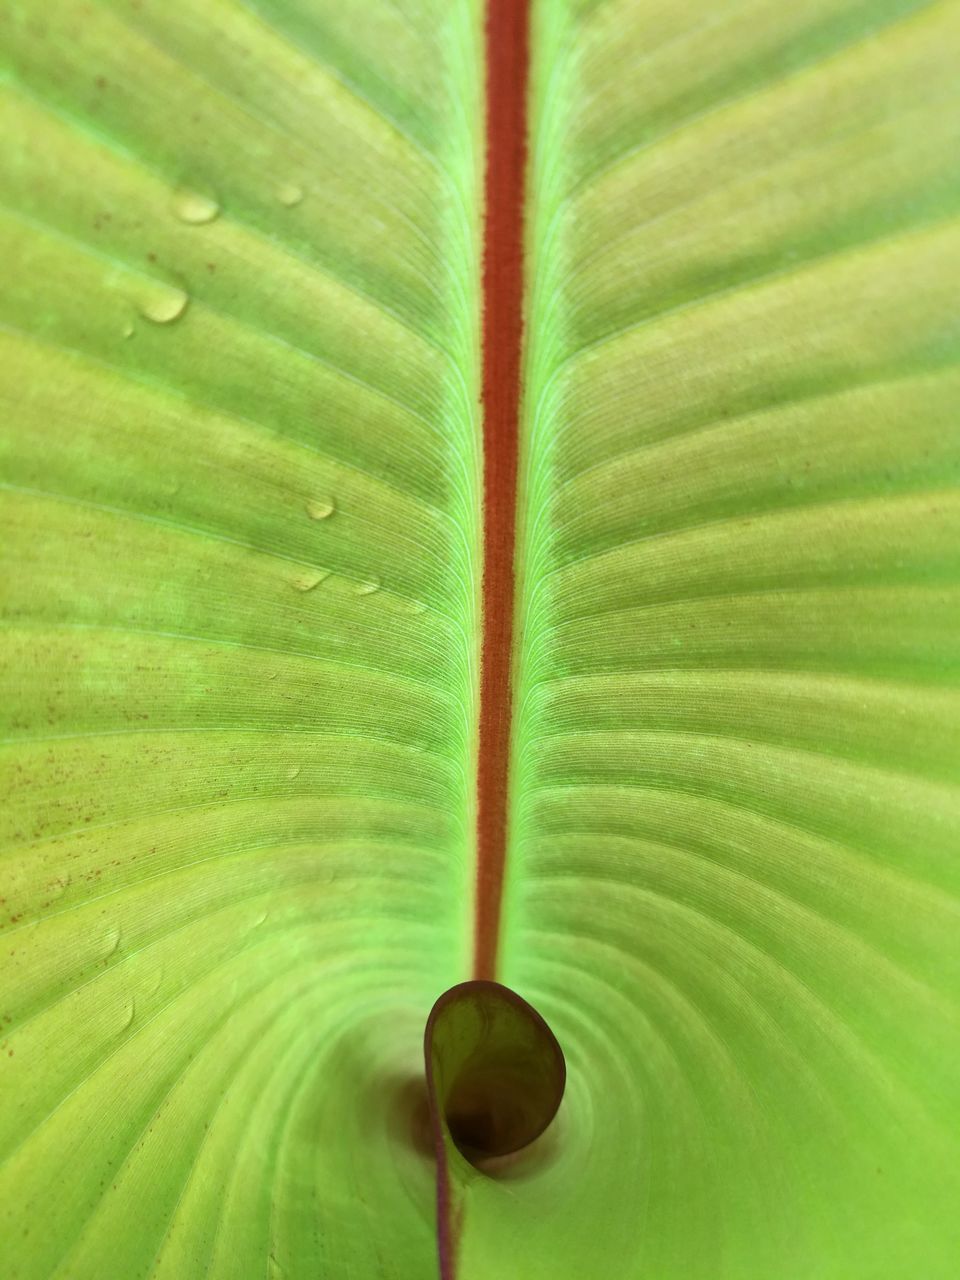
239,329
733,888
240,336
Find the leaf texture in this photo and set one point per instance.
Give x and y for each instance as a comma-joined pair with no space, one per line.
240,333
733,884
239,330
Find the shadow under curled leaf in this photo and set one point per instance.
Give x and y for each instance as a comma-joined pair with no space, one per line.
244,518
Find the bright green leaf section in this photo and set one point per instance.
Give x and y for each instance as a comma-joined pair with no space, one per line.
734,889
238,335
239,338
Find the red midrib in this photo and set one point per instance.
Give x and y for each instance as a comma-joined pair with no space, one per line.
507,36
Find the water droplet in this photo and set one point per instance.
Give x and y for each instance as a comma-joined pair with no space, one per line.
294,771
158,981
128,329
163,304
307,581
289,194
128,1015
259,920
368,587
192,207
58,887
317,509
273,675
111,942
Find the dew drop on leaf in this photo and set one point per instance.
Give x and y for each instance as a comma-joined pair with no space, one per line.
111,942
163,304
192,207
289,194
368,586
129,1014
58,886
293,771
308,580
318,509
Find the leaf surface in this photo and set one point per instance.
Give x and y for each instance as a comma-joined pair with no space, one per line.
238,336
241,466
733,887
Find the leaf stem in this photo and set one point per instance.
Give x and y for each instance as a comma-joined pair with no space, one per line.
507,58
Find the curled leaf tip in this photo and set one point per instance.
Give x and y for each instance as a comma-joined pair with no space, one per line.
495,1072
495,1080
